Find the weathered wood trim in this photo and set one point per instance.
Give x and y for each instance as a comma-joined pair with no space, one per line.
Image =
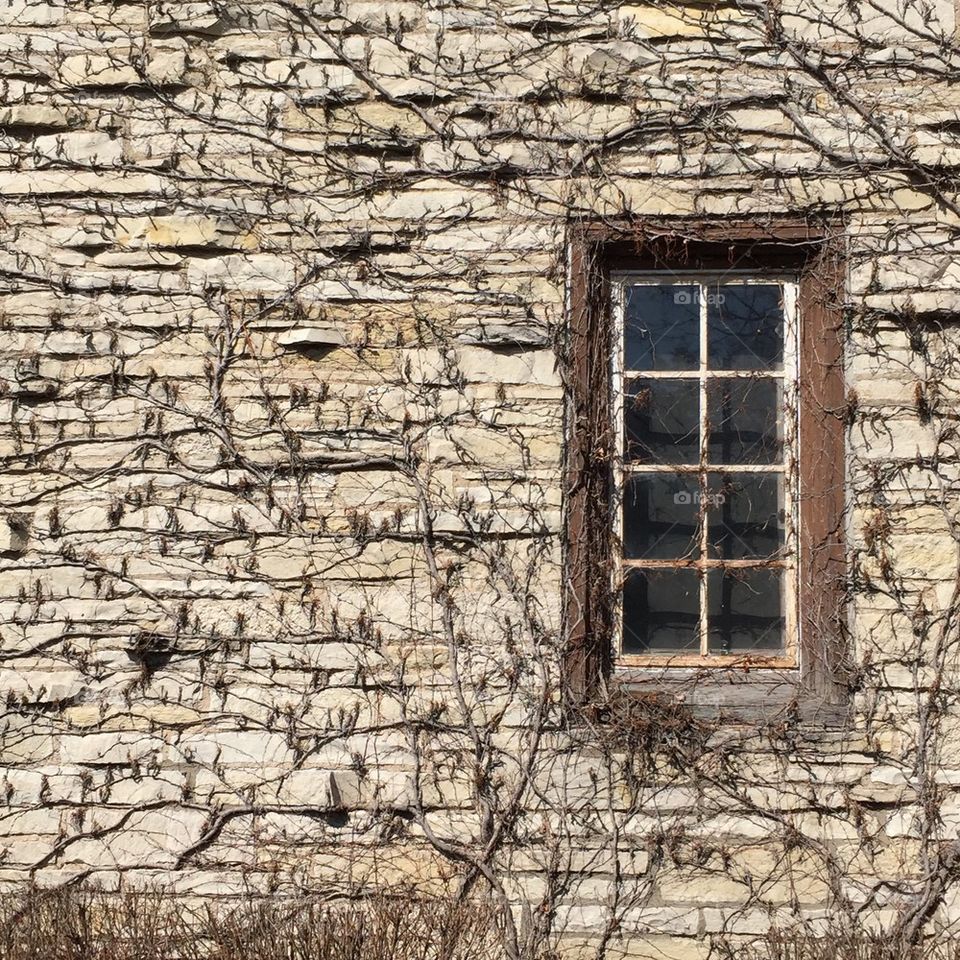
586,478
814,692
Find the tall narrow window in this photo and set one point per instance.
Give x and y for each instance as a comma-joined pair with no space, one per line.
705,413
704,481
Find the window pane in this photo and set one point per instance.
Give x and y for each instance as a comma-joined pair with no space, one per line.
662,327
745,416
745,513
661,517
745,327
745,611
661,611
661,421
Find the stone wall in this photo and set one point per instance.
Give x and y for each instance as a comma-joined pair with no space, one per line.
282,298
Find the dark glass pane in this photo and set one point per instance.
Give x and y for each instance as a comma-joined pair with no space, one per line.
745,611
661,611
744,415
745,327
661,516
745,515
661,421
662,327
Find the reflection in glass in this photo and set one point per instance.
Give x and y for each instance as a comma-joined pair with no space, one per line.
745,611
745,327
661,517
662,327
744,417
661,421
661,611
745,515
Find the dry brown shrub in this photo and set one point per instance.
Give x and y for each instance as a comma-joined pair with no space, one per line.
82,925
841,945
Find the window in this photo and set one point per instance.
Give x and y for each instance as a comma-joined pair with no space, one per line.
704,401
705,468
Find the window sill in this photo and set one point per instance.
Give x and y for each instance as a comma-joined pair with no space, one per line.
727,664
738,694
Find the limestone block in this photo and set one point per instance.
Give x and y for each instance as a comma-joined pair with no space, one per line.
30,822
165,231
256,748
238,46
43,784
646,920
533,366
925,556
324,789
103,748
167,714
166,66
739,921
40,116
42,686
917,302
655,22
139,258
83,715
204,883
314,82
152,838
174,16
887,21
14,532
268,273
440,204
376,16
53,182
169,785
505,335
100,70
36,389
707,888
31,13
308,338
329,655
84,148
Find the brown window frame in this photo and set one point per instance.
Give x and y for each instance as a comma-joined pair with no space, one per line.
817,689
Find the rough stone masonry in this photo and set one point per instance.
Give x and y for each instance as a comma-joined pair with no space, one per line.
283,295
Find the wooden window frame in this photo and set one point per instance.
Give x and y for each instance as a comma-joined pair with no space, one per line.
816,690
